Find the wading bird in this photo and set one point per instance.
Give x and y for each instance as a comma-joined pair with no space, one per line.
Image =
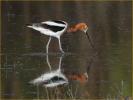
58,77
55,28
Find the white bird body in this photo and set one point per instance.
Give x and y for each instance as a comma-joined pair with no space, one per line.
48,31
42,30
46,79
54,28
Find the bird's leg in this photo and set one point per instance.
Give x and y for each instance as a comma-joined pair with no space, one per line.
90,40
47,46
47,59
60,61
60,46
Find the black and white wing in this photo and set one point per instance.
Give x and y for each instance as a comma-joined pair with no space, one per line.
54,25
51,26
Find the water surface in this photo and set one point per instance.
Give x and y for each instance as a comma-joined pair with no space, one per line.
106,74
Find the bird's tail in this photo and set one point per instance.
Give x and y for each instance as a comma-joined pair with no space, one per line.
34,27
30,26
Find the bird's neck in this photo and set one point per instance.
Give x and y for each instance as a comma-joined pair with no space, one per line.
72,29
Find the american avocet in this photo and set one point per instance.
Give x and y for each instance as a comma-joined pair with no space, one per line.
55,28
59,77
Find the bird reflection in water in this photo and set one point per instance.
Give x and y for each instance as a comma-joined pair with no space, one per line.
58,77
52,78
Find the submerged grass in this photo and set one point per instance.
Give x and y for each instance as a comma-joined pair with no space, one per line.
118,93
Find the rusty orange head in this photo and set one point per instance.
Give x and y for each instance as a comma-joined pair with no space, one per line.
82,78
82,27
79,27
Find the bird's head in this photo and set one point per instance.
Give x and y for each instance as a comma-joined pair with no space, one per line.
82,27
79,27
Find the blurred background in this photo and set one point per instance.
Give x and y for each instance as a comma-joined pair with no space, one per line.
24,58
